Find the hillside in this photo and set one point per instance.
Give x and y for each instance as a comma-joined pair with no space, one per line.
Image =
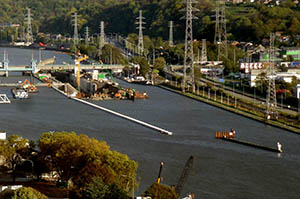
247,22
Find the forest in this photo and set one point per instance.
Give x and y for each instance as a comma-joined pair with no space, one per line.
245,22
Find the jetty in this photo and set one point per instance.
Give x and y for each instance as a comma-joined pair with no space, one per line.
145,124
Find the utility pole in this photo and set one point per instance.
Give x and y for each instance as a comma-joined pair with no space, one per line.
75,24
87,36
188,47
28,18
220,30
140,27
271,112
171,25
203,51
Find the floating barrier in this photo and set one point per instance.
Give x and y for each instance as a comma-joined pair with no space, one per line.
160,130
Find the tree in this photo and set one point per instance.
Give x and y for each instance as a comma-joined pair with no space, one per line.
143,62
159,191
68,153
14,150
159,64
97,189
28,193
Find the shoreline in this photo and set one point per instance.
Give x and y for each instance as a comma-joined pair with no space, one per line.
234,110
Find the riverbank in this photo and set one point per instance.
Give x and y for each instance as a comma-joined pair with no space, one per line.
234,109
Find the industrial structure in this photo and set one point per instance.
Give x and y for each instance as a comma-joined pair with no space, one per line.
188,71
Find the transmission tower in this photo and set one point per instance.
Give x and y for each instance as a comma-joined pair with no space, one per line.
220,30
171,25
87,36
203,51
28,18
140,27
102,35
75,24
271,112
188,48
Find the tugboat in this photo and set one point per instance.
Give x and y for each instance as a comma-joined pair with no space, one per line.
19,93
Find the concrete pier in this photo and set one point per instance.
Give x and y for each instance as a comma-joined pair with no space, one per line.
160,130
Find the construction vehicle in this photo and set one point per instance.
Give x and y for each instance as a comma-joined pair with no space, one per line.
29,87
78,60
159,173
185,173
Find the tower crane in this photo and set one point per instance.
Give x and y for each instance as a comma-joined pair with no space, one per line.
185,173
159,173
79,59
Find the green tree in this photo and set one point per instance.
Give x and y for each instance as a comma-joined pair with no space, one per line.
68,153
14,149
97,189
28,193
143,62
160,191
159,64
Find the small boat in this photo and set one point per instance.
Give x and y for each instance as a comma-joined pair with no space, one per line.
19,93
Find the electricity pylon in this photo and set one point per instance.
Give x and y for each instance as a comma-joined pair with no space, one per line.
28,18
140,28
87,36
171,25
271,112
75,24
220,30
188,47
203,51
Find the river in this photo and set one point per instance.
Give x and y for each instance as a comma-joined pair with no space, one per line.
221,169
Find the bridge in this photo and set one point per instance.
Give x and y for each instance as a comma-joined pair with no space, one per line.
34,67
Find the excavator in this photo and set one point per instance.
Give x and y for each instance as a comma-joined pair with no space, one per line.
29,87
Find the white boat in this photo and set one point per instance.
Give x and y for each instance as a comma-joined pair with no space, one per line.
19,93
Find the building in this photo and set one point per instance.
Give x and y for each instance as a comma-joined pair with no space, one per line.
293,52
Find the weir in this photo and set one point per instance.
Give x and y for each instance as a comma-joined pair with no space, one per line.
145,124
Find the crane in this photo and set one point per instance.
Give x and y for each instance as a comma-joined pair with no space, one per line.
77,63
159,173
185,173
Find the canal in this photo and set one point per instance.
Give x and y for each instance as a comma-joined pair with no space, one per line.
221,169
